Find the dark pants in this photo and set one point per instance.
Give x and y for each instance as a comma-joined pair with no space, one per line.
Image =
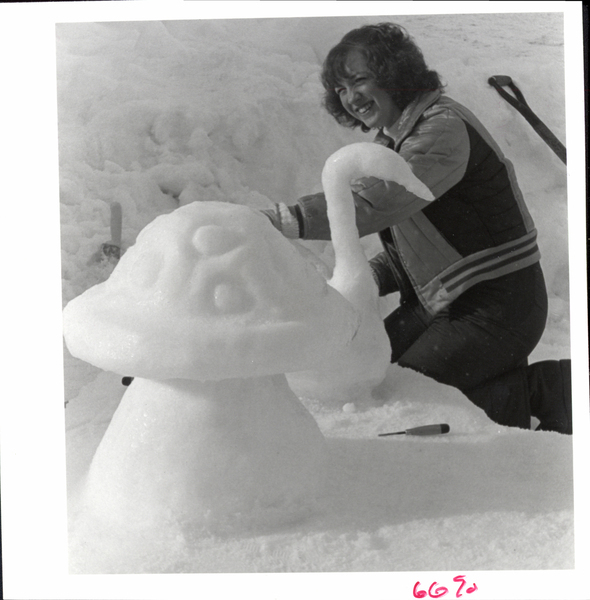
480,345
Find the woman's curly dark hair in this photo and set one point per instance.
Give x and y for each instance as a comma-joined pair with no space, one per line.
395,61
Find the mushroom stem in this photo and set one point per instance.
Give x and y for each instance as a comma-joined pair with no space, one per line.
207,455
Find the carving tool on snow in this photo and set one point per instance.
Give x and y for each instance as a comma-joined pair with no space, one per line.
111,250
499,82
422,430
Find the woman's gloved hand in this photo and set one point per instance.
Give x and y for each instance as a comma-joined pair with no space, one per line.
285,219
383,274
273,215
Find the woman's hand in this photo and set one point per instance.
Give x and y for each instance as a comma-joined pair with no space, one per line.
284,218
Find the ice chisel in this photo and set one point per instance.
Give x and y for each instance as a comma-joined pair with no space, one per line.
111,251
423,430
498,82
113,248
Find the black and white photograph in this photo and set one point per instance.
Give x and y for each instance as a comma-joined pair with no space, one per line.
303,298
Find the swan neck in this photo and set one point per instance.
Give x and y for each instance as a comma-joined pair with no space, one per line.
351,262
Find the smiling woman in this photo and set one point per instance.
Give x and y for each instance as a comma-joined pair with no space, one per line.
379,64
473,301
362,97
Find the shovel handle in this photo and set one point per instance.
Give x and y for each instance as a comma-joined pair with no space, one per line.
498,82
116,223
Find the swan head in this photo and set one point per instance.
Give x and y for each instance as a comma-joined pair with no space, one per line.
367,159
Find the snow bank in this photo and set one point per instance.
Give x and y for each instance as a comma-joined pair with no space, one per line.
158,114
155,115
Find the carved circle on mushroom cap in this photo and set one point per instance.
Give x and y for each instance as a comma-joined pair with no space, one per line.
214,240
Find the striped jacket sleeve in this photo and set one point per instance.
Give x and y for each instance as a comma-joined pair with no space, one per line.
437,151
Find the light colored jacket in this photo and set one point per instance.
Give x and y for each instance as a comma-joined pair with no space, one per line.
478,227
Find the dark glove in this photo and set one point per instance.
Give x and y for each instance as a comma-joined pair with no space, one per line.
383,274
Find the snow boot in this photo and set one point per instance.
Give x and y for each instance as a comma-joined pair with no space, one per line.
550,388
505,398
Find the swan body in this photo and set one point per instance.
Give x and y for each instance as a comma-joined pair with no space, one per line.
360,365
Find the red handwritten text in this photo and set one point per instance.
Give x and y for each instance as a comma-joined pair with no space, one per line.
438,591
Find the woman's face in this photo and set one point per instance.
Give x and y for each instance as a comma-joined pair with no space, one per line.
361,97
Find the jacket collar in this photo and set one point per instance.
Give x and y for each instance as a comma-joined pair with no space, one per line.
410,115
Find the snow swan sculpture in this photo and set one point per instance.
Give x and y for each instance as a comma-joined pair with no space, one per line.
361,365
208,311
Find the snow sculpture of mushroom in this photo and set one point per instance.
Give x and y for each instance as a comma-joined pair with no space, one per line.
208,311
361,365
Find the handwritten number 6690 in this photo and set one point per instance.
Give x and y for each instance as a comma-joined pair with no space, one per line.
439,592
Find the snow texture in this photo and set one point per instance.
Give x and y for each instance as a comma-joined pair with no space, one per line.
161,114
156,115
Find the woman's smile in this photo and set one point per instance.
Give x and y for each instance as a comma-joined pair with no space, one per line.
362,98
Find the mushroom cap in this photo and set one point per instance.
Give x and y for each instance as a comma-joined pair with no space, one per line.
210,291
